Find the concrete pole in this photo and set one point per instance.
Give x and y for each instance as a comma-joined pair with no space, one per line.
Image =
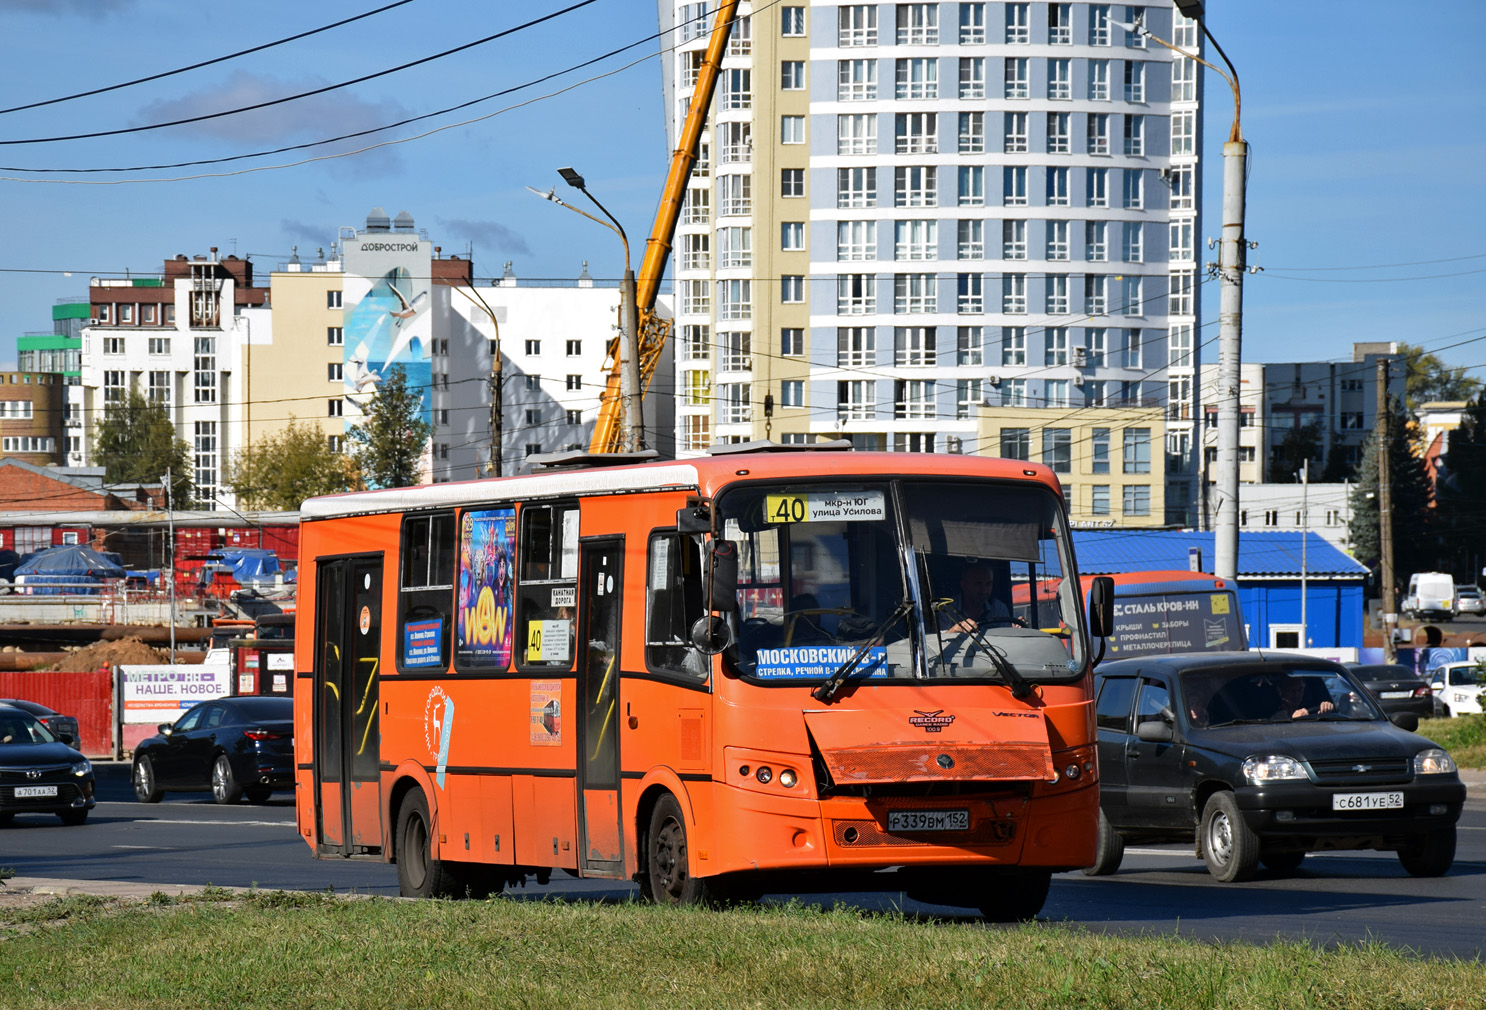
629,375
1385,516
1231,258
1305,537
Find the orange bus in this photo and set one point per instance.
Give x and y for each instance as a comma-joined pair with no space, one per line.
761,671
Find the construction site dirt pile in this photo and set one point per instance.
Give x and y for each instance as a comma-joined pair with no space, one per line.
95,656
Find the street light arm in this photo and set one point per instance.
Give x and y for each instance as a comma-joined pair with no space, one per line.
552,195
1235,133
616,225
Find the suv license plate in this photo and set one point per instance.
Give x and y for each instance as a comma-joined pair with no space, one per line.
928,820
23,792
1367,801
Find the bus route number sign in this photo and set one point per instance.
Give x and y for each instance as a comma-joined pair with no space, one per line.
826,506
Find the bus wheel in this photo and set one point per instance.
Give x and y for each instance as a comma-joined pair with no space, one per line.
666,870
1016,895
419,875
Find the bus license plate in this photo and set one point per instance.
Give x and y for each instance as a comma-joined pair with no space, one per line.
24,792
928,820
1367,801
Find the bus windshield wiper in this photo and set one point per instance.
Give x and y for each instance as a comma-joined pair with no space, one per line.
1020,688
826,690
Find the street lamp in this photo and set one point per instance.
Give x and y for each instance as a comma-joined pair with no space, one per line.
1231,250
629,328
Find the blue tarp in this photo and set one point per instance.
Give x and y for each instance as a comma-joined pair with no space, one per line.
246,564
72,568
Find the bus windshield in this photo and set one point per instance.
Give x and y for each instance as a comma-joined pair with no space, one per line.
939,578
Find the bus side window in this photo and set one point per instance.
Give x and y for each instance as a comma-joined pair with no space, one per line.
425,591
547,601
673,603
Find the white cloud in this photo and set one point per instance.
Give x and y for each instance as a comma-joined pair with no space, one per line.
491,234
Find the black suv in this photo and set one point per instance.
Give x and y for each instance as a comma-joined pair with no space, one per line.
1264,757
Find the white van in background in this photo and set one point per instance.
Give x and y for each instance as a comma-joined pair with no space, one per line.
1430,594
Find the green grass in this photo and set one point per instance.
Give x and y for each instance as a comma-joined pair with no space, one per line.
1463,736
271,950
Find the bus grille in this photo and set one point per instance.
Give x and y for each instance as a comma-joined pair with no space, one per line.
853,834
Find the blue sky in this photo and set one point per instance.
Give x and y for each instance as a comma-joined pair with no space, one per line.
1365,133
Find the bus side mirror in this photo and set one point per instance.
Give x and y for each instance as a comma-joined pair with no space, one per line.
711,634
694,519
722,575
1101,607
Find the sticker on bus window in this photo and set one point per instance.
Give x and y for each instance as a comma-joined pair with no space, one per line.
485,635
549,641
565,596
423,643
817,662
546,713
826,506
1219,602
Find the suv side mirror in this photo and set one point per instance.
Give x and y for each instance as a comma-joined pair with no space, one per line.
1405,720
1101,607
166,728
1153,731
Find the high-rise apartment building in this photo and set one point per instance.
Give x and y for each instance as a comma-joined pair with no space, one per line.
907,216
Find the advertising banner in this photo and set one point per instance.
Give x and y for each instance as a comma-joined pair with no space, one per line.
485,633
1174,622
156,694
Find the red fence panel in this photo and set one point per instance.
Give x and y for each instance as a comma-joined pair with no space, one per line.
88,697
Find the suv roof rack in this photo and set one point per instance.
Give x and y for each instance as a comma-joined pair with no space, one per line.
765,445
582,457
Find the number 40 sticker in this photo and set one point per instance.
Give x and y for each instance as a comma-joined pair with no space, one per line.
827,506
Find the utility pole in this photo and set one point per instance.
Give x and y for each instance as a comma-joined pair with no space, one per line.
1385,516
629,378
170,520
1305,537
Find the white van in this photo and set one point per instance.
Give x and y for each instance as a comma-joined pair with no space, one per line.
1430,594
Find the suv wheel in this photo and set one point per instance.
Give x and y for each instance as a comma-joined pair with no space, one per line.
1430,855
1110,851
1229,846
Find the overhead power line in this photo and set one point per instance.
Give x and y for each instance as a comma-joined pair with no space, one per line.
204,63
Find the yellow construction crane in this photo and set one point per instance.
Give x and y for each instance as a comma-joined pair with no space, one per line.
609,433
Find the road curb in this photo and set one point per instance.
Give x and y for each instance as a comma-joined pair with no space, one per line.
62,888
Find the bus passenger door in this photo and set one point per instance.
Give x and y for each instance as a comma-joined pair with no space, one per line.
600,585
347,731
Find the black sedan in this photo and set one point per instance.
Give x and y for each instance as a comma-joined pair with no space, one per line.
63,727
1397,688
234,747
38,773
1261,758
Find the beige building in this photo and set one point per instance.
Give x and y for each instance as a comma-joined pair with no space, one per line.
1109,459
295,374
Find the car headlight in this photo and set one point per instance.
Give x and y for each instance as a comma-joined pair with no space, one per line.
1435,761
1272,768
83,767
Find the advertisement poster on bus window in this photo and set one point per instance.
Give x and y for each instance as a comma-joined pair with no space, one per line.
487,570
1158,623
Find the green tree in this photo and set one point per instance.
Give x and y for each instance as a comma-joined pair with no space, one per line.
282,470
390,441
1414,544
1460,493
1299,444
136,441
1427,378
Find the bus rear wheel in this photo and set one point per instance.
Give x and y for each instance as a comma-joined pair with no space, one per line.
1015,895
419,874
668,876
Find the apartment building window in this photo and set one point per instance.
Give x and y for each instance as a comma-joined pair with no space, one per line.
734,352
1057,240
1016,76
856,188
970,294
1137,499
918,24
792,21
1014,392
1055,393
574,383
734,142
972,77
1016,443
734,299
856,80
916,133
1179,343
1182,246
1098,80
1134,189
1013,239
113,345
1013,345
1182,179
1098,141
1060,78
1098,24
1183,134
856,400
159,388
855,241
1055,345
1097,187
1183,80
1099,500
792,236
792,289
1135,80
972,24
856,346
696,297
968,396
113,387
915,240
792,393
856,134
741,44
914,294
205,459
1057,449
1135,135
1018,19
1132,248
1014,185
792,129
792,75
1057,187
791,182
532,347
1130,296
1014,294
159,345
917,78
1056,292
696,208
205,361
696,388
856,295
1184,32
734,247
1180,301
147,314
696,432
913,399
1130,356
103,313
1094,347
792,342
914,346
334,372
1094,393
1099,450
1014,140
856,25
970,240
696,252
972,186
335,407
1137,448
972,132
735,195
735,89
915,186
735,404
969,345
332,299
1057,132
1134,16
1096,294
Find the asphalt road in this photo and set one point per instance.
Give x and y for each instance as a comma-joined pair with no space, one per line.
1334,898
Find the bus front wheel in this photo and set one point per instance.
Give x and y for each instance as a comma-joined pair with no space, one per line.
667,873
1016,895
419,874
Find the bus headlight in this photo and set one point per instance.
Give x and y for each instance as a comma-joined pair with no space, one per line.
1435,761
787,778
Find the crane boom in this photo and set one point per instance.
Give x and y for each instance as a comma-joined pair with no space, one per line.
653,330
